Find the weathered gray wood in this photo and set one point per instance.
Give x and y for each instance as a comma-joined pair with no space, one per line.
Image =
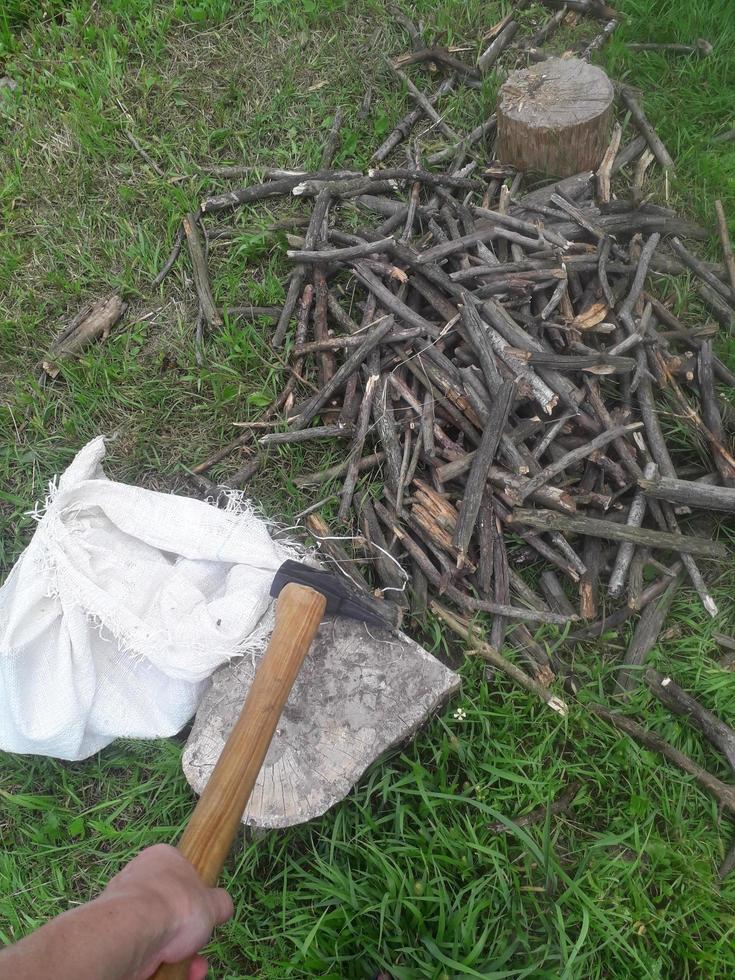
636,513
682,703
554,592
312,407
572,457
689,493
645,636
554,117
646,129
685,544
342,430
359,693
481,463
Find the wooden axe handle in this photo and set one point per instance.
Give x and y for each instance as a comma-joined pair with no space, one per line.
208,836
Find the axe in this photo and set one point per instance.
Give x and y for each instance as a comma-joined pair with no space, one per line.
303,595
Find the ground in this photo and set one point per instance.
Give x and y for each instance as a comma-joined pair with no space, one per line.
405,875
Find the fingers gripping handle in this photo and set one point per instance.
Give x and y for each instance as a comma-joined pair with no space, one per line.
208,836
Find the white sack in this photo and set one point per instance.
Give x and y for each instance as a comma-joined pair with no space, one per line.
121,607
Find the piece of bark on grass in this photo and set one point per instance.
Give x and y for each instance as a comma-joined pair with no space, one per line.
94,322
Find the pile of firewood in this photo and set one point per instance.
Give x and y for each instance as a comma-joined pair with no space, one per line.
495,362
489,358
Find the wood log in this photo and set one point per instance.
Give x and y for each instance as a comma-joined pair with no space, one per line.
554,117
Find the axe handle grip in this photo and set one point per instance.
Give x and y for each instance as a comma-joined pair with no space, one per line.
213,825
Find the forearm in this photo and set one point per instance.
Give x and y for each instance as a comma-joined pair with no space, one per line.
111,938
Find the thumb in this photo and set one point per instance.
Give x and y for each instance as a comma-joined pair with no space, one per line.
220,905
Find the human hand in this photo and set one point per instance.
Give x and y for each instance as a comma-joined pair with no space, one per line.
163,883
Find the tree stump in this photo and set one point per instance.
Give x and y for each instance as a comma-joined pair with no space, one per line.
554,117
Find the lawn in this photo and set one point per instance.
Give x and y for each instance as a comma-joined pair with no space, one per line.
405,875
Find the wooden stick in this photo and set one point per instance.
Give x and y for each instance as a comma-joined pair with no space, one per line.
330,147
421,100
646,129
491,656
701,270
724,794
721,310
475,485
329,544
682,703
574,456
644,638
350,365
684,544
404,126
272,188
441,56
212,827
339,431
491,54
636,513
353,471
341,254
305,480
172,257
313,235
94,322
726,243
201,274
600,39
466,602
540,813
689,493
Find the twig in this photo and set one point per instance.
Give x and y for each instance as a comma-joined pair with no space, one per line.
654,142
726,243
724,794
540,813
684,544
491,656
201,275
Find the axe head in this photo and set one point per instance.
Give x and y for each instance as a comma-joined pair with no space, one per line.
340,601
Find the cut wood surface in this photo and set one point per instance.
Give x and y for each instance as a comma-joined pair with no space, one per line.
554,117
351,701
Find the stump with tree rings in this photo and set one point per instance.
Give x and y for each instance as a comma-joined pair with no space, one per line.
554,117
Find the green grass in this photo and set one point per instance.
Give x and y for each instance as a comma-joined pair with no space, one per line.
405,874
689,99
